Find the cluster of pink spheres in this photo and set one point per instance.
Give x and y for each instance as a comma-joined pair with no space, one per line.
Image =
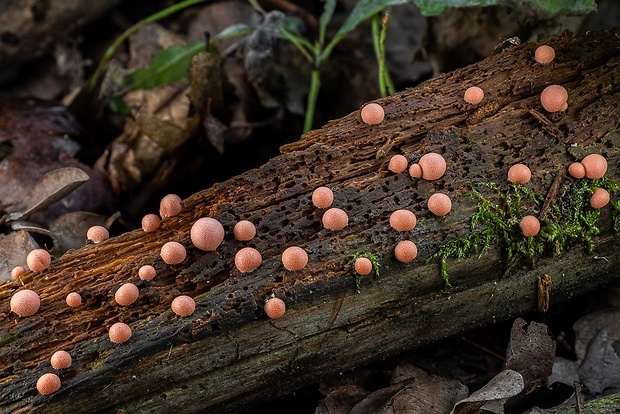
593,166
207,233
554,98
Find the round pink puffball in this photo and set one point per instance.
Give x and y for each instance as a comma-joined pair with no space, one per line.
25,302
553,98
577,170
73,299
530,226
275,308
248,259
147,272
244,230
363,266
600,198
183,305
335,219
398,164
119,332
415,171
372,113
544,54
322,197
473,95
207,233
433,166
294,258
150,223
170,206
60,360
97,234
519,173
38,260
173,253
403,220
126,294
48,383
17,272
406,251
439,204
595,166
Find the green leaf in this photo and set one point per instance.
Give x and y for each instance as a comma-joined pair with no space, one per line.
362,11
234,30
435,7
565,6
167,66
326,16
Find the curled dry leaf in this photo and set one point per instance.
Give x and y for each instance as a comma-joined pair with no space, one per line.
530,352
50,188
14,247
493,395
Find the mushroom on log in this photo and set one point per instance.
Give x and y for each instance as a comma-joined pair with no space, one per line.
228,354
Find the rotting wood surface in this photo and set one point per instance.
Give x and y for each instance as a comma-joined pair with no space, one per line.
228,355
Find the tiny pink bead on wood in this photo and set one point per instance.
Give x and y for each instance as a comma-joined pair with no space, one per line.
61,360
207,234
183,305
530,226
372,113
248,259
335,219
126,294
406,251
244,230
544,54
595,166
17,272
173,253
38,260
439,204
600,198
577,170
322,197
398,164
433,166
519,173
473,95
119,333
97,234
553,98
170,206
73,299
294,258
415,171
48,383
150,223
275,308
363,266
25,302
403,220
147,272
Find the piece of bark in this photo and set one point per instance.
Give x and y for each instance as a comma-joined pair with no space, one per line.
228,355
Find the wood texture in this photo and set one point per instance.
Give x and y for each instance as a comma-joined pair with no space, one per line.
228,355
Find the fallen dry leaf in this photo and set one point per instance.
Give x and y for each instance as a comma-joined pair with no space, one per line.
493,395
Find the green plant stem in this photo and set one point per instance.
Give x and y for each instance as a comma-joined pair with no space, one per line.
315,85
386,85
133,29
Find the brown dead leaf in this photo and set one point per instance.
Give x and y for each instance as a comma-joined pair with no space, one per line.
341,400
50,188
530,352
69,230
14,247
493,395
413,391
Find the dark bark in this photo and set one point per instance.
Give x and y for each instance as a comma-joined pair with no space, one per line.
228,355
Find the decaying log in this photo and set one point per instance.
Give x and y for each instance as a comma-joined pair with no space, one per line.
229,355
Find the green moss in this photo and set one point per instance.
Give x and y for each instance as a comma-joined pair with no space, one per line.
375,267
570,221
